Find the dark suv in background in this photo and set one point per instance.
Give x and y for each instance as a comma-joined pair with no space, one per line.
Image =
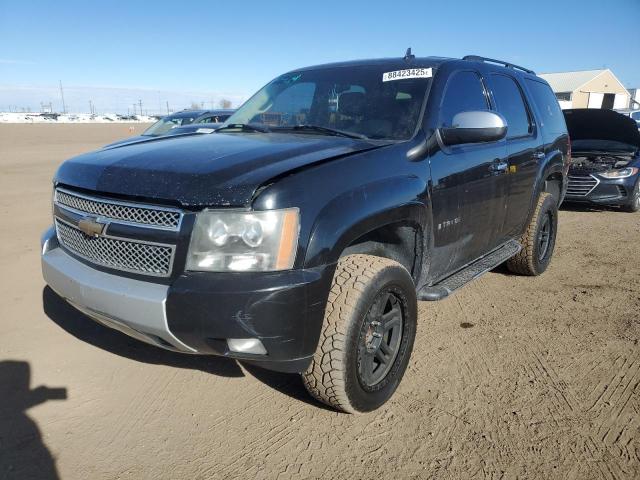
300,234
177,123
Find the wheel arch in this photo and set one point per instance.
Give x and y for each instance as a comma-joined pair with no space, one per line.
385,219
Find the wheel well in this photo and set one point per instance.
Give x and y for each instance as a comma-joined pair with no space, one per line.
553,185
400,241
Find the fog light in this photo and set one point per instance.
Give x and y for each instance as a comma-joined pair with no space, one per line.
246,345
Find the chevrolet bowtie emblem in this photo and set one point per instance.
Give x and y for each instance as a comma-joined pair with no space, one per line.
91,226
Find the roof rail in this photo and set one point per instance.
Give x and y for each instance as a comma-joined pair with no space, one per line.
476,58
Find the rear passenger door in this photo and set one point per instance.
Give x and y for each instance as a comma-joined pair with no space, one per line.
524,149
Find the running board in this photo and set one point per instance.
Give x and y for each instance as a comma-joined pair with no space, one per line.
472,271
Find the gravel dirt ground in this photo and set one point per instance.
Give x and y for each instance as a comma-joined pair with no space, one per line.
512,377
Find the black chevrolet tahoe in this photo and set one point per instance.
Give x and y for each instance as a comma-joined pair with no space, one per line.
300,235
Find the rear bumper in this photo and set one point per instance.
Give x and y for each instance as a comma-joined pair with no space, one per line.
199,311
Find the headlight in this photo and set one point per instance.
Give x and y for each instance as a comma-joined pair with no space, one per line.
621,173
237,241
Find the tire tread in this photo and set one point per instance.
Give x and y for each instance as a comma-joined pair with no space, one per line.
324,379
523,262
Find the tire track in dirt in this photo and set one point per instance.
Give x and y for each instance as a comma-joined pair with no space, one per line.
543,385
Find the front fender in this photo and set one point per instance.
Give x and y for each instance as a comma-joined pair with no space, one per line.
361,210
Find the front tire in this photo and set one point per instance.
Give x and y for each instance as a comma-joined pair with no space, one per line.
367,335
539,239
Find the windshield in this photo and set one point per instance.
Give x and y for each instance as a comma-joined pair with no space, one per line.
165,124
364,100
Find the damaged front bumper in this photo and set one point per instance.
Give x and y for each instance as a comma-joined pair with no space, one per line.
199,311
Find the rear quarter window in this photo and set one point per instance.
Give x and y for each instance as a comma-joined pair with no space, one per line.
552,119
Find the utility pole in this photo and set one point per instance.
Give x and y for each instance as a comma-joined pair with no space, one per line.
64,107
90,107
140,103
167,107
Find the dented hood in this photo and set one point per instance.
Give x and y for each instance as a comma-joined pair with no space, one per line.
598,124
218,169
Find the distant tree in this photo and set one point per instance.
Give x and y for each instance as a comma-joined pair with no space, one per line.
225,103
195,106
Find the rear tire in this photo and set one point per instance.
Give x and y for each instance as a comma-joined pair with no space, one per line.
634,201
367,335
539,239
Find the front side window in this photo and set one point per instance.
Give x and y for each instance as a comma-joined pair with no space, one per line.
464,93
510,104
357,99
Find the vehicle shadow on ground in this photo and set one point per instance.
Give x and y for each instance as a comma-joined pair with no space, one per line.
23,454
289,384
589,207
85,329
569,207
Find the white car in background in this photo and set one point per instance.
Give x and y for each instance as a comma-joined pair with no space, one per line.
635,114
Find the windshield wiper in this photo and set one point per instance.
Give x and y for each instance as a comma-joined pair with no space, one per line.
245,127
325,131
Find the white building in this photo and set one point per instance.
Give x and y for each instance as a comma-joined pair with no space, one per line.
588,89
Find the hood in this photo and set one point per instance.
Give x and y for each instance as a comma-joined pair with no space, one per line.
193,128
219,169
598,124
126,141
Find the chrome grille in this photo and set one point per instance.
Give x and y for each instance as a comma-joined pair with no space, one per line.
149,216
132,256
581,185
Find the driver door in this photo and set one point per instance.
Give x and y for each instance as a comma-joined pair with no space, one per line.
469,187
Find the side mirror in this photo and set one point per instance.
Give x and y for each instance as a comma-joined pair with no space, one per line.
475,127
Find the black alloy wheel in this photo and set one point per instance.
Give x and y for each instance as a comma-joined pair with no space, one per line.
380,339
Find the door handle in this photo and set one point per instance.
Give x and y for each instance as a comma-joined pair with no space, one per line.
538,155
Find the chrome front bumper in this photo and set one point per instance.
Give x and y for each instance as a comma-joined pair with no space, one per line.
133,307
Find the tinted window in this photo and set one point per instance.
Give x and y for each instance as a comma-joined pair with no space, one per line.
464,93
165,124
509,101
552,119
208,120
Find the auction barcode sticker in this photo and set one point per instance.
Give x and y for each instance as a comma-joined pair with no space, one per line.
409,73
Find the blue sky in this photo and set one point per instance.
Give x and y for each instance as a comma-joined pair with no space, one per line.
117,50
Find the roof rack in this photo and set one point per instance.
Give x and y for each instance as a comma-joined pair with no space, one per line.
476,58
